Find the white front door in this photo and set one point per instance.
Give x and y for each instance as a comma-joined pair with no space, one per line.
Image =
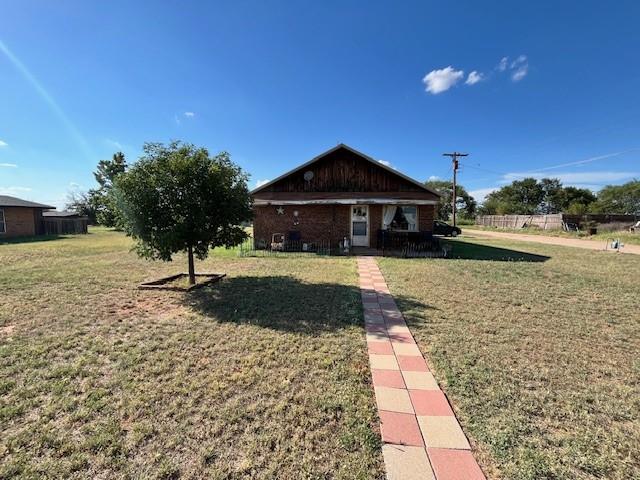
360,225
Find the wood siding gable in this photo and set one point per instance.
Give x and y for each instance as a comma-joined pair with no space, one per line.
339,171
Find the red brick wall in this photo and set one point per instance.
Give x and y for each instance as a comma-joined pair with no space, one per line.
426,215
375,217
324,222
20,221
315,222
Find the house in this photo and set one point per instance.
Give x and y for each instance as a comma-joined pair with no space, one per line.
21,218
343,194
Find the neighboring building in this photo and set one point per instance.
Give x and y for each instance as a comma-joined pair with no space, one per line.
340,194
20,218
64,223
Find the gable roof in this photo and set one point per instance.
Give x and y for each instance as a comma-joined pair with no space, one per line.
352,150
7,201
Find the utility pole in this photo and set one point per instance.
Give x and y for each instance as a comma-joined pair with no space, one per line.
454,160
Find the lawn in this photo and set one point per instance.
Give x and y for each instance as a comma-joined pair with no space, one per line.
538,351
264,375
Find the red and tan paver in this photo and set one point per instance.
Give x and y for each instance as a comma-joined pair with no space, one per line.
421,436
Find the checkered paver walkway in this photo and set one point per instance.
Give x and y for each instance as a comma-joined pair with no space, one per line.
421,435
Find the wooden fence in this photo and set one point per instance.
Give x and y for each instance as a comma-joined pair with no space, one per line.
556,221
545,222
65,226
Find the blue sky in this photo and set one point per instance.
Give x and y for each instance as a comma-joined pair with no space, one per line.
524,87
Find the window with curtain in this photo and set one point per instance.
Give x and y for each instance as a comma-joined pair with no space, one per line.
403,218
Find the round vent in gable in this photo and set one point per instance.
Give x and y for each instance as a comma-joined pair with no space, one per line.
308,175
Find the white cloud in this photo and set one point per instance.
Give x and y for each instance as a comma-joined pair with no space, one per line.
260,183
520,73
189,114
74,185
502,66
474,77
3,143
481,193
387,163
520,66
519,61
8,165
438,81
433,178
13,190
114,143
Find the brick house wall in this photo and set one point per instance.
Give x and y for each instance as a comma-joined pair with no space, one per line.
426,216
323,222
21,221
314,222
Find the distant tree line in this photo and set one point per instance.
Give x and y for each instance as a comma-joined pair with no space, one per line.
548,195
545,196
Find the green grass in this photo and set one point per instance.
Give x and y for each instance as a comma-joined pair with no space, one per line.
537,347
264,375
624,236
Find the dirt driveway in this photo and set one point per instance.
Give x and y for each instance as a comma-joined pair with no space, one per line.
567,242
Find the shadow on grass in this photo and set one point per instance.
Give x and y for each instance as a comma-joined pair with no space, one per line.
474,251
33,239
284,303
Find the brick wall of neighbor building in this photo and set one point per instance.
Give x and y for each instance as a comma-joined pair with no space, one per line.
20,222
315,222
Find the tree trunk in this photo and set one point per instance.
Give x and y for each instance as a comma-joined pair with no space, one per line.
192,270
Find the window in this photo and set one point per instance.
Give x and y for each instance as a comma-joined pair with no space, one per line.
360,228
402,218
3,226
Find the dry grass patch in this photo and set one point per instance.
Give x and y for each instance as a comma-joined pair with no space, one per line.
263,375
539,356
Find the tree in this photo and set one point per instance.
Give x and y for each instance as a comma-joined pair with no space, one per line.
99,203
106,173
578,196
621,199
82,203
520,197
465,203
553,196
177,198
108,170
528,197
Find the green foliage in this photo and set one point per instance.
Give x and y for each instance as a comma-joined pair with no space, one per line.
99,204
108,170
529,196
620,199
465,203
177,198
520,197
